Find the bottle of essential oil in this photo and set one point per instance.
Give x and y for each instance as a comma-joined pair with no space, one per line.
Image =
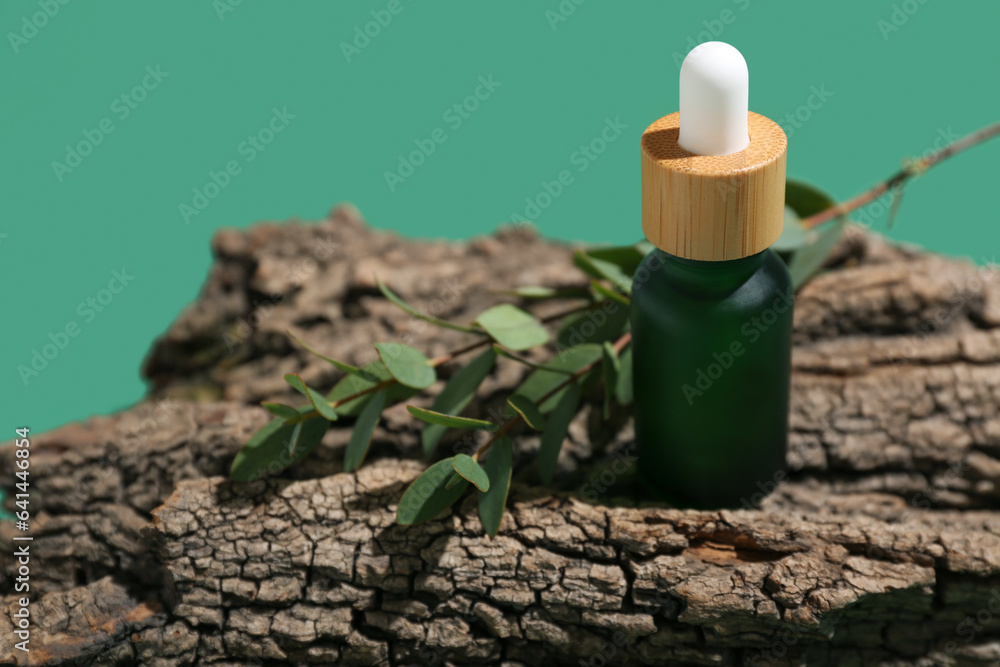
712,304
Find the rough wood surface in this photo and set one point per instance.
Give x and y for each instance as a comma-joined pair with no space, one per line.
881,547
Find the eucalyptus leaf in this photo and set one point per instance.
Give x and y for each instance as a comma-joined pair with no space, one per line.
623,388
602,322
528,411
453,480
293,440
625,257
395,299
267,450
793,234
808,260
364,429
317,399
611,367
548,293
351,385
603,270
469,468
609,293
407,364
340,365
512,327
806,199
555,432
449,421
427,496
456,394
499,465
281,410
542,382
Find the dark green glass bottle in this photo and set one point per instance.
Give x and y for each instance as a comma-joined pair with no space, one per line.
712,305
712,354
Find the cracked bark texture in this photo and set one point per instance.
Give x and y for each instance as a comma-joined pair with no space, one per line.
881,546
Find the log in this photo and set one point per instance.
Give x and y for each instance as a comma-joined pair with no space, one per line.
880,546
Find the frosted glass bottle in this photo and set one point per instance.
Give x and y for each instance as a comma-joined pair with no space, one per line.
712,351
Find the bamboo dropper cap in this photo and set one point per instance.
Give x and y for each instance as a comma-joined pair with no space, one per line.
727,200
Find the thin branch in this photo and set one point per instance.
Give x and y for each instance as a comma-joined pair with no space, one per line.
909,170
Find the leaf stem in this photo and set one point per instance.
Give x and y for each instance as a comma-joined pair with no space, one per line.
910,169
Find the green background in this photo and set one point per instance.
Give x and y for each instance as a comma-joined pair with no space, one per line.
927,71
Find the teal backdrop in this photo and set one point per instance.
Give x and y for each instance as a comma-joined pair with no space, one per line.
133,130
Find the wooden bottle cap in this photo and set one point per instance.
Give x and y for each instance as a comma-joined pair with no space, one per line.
713,207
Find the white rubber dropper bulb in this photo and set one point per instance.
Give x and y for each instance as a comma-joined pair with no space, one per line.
714,100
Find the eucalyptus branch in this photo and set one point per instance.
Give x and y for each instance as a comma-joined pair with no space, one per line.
618,346
910,169
435,362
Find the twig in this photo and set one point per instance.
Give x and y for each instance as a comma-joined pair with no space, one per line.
911,169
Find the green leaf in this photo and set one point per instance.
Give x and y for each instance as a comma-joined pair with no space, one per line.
612,367
281,410
547,293
555,433
793,234
267,450
351,385
623,388
469,468
626,257
408,365
293,441
601,323
512,327
364,429
609,293
806,199
391,296
498,468
603,269
347,368
450,421
528,411
427,496
456,395
810,258
453,480
540,383
510,355
317,400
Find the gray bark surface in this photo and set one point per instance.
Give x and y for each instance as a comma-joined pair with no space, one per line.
881,546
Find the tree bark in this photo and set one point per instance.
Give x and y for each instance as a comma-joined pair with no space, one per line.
880,546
